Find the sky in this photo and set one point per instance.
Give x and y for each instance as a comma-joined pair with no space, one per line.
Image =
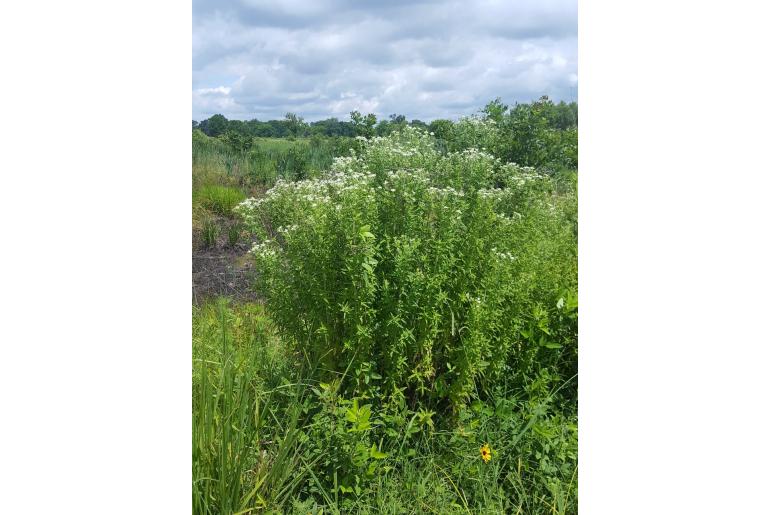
425,59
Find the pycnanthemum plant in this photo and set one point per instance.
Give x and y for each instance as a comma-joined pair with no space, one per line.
419,267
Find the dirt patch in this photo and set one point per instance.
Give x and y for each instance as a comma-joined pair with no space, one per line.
221,268
222,272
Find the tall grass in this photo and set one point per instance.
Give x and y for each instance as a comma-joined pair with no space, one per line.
245,454
214,162
219,199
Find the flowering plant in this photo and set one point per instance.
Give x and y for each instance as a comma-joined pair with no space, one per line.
416,265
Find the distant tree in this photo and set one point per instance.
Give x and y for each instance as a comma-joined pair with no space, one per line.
214,126
195,125
419,123
563,116
295,124
331,127
495,110
238,126
383,128
363,125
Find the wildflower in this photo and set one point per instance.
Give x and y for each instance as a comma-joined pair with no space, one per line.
486,452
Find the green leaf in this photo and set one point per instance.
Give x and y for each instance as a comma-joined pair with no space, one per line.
364,232
377,455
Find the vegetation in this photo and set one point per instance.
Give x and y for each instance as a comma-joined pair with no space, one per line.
524,118
219,199
257,163
416,346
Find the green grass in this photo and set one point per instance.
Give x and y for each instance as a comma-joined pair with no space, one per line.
269,159
280,144
219,199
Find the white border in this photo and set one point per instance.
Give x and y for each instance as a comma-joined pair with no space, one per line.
96,160
673,257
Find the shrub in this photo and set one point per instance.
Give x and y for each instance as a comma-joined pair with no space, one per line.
440,273
236,141
537,134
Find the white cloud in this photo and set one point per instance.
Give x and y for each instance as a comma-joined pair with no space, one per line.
425,60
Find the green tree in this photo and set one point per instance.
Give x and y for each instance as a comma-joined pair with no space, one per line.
364,125
215,126
495,110
419,123
295,124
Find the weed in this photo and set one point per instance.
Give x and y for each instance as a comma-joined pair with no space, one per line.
209,232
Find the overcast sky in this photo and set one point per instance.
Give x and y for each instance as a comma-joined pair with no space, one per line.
420,58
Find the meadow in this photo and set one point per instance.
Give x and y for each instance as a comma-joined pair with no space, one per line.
403,337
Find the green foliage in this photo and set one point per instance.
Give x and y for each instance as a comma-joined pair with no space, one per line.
219,199
267,439
293,164
295,124
214,126
237,141
540,134
442,129
426,266
242,457
217,162
364,125
209,232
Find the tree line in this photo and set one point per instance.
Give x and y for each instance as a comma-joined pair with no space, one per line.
554,116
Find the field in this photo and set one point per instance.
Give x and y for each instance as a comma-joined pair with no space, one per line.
387,324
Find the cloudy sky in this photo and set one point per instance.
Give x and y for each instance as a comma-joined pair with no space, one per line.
424,59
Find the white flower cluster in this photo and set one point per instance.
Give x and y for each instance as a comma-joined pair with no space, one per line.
521,175
475,154
345,164
514,216
446,192
287,229
409,142
503,255
248,210
494,193
314,192
476,120
408,178
264,249
250,204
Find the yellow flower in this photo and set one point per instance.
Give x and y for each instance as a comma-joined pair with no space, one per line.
486,452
